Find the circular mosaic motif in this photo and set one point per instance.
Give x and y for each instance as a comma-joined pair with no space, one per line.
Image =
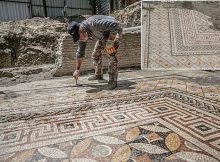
101,151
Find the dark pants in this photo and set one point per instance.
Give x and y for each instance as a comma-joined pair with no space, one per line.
112,61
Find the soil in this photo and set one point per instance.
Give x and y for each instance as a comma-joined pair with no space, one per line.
29,42
130,16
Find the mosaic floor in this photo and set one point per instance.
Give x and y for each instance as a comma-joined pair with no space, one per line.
151,116
176,38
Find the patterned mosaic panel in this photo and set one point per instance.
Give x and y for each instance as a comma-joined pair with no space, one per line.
144,143
178,39
191,33
161,124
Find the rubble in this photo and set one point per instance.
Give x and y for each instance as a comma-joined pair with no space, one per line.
29,42
129,16
30,49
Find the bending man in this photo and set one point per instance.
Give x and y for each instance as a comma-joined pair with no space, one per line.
106,31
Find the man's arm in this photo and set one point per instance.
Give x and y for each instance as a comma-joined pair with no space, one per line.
80,54
78,63
76,73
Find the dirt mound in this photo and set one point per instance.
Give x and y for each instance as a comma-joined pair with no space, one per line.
29,42
130,16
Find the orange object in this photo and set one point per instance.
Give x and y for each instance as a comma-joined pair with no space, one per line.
110,47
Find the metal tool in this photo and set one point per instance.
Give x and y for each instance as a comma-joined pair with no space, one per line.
76,82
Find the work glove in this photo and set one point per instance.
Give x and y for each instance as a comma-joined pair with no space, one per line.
76,74
112,46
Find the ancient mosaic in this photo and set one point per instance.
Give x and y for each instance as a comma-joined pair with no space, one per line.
176,38
160,119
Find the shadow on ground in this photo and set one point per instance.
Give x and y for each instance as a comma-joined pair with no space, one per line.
207,81
122,85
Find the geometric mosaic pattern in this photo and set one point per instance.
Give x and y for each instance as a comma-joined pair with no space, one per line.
178,39
147,142
174,113
191,33
103,103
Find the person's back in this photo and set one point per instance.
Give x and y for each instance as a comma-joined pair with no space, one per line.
98,26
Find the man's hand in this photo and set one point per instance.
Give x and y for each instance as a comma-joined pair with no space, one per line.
76,74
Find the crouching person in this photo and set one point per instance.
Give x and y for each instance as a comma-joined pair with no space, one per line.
106,31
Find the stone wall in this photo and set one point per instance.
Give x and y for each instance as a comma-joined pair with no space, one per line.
129,54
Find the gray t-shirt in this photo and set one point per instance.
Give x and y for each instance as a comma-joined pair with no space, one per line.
98,27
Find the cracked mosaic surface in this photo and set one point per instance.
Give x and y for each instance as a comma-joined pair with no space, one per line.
149,117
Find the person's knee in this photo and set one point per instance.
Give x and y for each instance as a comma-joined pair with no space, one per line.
96,55
113,60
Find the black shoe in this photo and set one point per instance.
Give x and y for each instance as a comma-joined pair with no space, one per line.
112,85
96,77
